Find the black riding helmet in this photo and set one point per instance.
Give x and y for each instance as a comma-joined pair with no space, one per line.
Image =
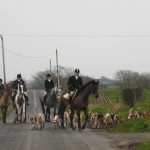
19,76
1,80
77,71
48,75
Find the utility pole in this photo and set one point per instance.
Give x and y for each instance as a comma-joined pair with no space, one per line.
58,82
3,59
50,67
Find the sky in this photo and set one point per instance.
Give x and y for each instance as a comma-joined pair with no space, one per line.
99,37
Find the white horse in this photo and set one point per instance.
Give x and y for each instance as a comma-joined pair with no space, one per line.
20,109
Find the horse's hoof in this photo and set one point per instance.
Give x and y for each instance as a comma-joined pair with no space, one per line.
83,127
63,128
48,120
24,120
80,130
73,129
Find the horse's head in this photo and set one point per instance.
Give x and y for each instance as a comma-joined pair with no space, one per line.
21,89
59,91
9,88
94,88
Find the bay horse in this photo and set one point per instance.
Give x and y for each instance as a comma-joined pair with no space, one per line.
79,102
20,108
4,98
53,96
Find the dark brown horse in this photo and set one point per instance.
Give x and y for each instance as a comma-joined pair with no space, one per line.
4,101
79,102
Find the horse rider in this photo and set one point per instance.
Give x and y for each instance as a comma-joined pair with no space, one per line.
1,86
74,83
49,84
15,87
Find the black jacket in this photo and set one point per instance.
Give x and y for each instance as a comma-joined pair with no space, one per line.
49,85
1,87
15,84
74,83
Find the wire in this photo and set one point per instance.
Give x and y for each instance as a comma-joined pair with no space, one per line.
87,36
27,56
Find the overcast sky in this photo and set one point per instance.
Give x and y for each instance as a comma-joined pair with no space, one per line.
97,36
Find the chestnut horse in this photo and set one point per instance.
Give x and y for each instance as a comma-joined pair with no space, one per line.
79,102
4,101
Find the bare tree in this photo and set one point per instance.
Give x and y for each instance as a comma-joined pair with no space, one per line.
131,85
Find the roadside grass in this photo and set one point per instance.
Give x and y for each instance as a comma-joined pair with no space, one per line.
143,146
137,125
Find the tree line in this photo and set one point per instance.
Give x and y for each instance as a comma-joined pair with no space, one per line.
132,85
64,73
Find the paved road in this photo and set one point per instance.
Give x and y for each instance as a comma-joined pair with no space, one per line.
20,137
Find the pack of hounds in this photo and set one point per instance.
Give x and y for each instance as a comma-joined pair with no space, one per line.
94,120
37,122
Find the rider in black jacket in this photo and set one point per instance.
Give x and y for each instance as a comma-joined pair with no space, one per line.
15,87
49,84
74,83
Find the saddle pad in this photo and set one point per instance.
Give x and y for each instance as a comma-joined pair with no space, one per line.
66,96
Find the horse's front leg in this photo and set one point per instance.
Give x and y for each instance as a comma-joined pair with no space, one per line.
19,113
43,108
86,118
4,110
62,120
24,113
79,120
71,119
48,114
15,114
54,111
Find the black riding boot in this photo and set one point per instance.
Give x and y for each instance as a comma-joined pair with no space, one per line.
70,101
27,100
13,101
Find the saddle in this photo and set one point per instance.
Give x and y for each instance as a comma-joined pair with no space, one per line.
71,94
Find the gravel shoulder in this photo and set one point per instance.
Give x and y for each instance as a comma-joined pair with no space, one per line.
124,141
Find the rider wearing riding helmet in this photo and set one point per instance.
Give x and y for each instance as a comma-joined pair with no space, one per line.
74,83
1,86
15,87
49,84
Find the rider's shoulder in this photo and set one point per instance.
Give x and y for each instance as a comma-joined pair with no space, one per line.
71,77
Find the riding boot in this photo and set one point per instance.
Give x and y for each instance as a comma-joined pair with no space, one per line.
27,100
13,101
70,101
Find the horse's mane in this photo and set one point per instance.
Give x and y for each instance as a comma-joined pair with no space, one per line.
84,86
